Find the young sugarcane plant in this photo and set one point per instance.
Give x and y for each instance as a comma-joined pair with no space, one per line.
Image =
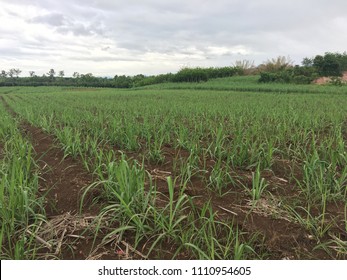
258,184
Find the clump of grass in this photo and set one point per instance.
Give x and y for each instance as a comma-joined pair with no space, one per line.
211,239
316,224
258,184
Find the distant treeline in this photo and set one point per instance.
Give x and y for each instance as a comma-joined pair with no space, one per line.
277,70
196,75
327,65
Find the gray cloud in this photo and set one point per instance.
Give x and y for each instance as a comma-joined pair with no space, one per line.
64,24
198,32
53,19
108,58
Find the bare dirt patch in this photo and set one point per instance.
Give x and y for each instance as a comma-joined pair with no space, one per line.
325,80
61,178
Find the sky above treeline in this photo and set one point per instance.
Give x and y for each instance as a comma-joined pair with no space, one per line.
109,37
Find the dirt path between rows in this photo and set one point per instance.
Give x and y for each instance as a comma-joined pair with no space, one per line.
64,179
68,233
61,179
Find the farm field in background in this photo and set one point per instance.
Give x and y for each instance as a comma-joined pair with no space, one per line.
227,169
250,84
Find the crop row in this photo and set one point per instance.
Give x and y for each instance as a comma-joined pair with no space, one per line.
122,135
21,209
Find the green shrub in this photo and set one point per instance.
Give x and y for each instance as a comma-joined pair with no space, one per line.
336,81
296,75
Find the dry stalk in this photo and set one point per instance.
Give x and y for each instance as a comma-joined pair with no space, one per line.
227,210
39,239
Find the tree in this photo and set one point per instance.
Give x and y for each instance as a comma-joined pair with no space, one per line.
51,73
61,73
17,72
327,65
14,72
3,74
76,75
246,66
123,81
32,73
276,64
307,62
10,73
88,80
191,75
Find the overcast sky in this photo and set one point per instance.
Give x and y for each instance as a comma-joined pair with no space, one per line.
108,37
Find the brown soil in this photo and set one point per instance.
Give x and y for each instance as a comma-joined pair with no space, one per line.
325,80
63,179
283,237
